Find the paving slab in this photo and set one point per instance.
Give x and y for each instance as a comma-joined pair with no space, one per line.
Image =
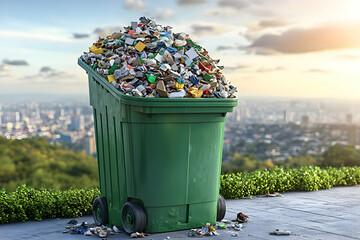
324,214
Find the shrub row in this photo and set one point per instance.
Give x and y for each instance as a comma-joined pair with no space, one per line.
243,184
27,203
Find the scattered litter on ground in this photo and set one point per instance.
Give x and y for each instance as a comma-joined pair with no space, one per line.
238,226
280,232
193,233
275,194
241,218
90,229
116,229
137,235
73,221
207,230
222,226
149,60
225,221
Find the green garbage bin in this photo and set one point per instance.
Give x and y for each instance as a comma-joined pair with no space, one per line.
159,159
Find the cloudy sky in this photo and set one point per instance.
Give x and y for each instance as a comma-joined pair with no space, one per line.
282,48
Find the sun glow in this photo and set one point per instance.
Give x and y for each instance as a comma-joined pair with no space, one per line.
351,10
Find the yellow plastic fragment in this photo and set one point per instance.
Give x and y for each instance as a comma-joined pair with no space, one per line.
111,78
140,46
99,44
92,48
195,93
96,50
179,86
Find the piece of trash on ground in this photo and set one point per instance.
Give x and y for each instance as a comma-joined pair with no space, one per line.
275,194
241,217
225,221
137,235
280,232
238,226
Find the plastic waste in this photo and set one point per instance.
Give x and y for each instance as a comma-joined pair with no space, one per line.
280,232
147,53
137,235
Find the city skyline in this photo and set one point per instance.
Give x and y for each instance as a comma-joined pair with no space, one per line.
270,129
303,49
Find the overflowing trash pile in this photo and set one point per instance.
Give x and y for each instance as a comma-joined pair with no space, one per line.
90,229
149,60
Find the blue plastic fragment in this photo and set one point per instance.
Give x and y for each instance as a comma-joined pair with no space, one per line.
143,55
180,80
194,79
73,221
188,61
159,46
171,49
165,34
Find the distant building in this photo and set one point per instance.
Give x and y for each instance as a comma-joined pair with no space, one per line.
238,115
305,121
288,116
37,112
349,118
17,117
90,147
77,123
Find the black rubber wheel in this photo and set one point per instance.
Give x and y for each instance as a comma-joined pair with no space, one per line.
221,209
133,217
100,211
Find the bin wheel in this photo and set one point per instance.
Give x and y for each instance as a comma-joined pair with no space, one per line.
133,217
100,211
221,209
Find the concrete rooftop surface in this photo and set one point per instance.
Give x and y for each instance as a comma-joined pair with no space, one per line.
324,214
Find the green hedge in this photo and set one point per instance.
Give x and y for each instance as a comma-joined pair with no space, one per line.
278,179
27,203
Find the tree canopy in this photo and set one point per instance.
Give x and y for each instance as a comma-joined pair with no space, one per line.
37,163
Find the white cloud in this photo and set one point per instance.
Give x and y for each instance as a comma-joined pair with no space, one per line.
220,12
36,36
47,74
268,23
203,29
271,69
163,13
5,75
238,4
3,68
190,2
134,4
103,32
